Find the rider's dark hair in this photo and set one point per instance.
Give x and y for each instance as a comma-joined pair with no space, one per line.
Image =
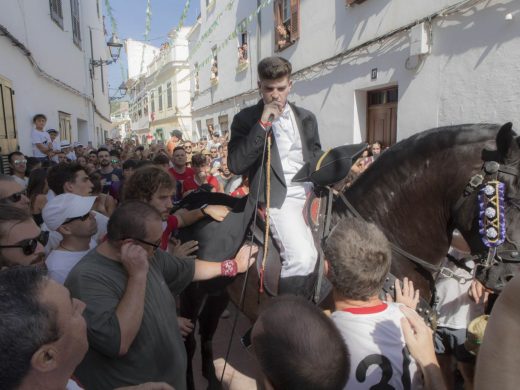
129,221
272,68
298,346
359,256
25,323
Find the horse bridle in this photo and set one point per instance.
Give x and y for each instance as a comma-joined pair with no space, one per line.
488,262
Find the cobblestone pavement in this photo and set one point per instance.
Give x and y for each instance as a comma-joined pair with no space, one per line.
242,372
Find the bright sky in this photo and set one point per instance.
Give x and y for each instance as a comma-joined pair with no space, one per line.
130,16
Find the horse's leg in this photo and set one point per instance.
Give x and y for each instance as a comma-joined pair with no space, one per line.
190,302
215,305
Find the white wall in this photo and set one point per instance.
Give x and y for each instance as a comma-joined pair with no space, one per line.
471,74
56,54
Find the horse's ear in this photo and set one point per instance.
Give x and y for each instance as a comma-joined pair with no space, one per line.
506,144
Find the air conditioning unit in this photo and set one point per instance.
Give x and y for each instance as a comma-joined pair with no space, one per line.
419,40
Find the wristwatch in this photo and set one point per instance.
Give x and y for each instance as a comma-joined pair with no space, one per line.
202,208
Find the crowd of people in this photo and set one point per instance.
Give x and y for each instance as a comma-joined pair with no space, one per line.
91,267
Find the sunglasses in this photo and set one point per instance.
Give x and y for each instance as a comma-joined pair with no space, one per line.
18,162
155,246
28,246
82,218
14,198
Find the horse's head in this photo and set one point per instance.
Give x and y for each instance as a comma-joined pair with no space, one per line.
495,235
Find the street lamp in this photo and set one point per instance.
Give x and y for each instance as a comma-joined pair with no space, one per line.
114,45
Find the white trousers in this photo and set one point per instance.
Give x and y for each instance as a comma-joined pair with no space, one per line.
294,237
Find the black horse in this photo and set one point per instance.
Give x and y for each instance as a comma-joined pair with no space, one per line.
417,193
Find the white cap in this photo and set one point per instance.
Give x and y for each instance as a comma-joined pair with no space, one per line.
65,144
66,206
77,144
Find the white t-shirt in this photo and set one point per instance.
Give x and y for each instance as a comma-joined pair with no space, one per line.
23,182
456,309
60,262
378,354
40,137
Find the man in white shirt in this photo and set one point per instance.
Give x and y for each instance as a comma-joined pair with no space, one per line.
56,143
359,256
295,141
71,216
18,164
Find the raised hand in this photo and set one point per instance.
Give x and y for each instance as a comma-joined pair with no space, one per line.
217,212
245,257
135,259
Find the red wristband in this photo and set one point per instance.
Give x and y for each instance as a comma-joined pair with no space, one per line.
228,268
265,125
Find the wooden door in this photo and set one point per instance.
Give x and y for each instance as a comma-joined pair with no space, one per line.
382,116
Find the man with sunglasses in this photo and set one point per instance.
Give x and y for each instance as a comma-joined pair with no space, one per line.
71,216
19,237
13,193
18,165
129,286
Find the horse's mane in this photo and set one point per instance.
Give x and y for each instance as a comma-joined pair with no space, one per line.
434,145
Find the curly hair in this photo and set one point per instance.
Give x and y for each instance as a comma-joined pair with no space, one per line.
145,182
359,256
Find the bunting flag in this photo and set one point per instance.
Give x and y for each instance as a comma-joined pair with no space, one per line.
147,29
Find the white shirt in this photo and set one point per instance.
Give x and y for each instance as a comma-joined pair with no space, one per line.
376,345
456,309
289,146
60,262
23,182
40,137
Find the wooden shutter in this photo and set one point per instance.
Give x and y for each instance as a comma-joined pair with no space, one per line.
295,20
277,21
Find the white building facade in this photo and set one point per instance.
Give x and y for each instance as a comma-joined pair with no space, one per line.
160,94
369,70
46,51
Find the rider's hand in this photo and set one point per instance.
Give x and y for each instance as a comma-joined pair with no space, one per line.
406,295
272,111
245,257
135,259
217,212
478,292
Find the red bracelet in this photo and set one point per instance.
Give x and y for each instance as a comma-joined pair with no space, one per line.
265,125
229,268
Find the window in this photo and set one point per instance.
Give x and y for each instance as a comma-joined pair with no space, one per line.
199,128
159,93
65,126
214,65
7,121
209,124
223,122
152,102
196,73
243,49
169,95
76,30
287,23
56,12
145,106
139,108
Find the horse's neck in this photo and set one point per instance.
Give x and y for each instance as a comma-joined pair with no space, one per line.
413,206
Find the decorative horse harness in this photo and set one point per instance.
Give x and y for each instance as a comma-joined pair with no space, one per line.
494,268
